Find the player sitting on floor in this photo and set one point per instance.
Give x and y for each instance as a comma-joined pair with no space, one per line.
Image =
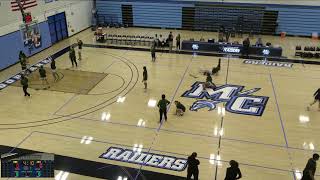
180,108
209,83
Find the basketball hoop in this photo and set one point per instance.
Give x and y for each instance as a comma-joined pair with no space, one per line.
30,35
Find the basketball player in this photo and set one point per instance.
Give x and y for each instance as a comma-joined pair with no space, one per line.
316,98
145,77
310,169
23,60
214,70
193,166
153,52
162,104
43,76
233,172
24,82
72,56
54,70
180,108
80,43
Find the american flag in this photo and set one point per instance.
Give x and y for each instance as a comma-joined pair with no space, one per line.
25,4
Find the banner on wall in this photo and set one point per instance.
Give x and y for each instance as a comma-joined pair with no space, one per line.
25,4
30,34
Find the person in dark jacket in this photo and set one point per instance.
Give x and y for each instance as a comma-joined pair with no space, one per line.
54,70
145,77
43,76
316,98
24,82
180,108
162,104
193,167
72,56
233,172
310,169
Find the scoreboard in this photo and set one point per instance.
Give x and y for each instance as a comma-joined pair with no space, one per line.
31,165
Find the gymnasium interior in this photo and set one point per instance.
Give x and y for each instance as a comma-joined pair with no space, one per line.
83,82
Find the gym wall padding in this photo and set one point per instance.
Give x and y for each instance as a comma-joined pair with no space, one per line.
11,44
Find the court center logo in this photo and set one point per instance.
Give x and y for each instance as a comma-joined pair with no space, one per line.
237,99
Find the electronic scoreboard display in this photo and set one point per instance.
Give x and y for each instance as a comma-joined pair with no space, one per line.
31,165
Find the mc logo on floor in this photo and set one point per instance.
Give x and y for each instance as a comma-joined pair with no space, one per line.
237,99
